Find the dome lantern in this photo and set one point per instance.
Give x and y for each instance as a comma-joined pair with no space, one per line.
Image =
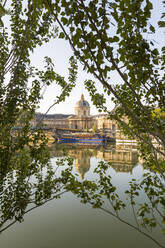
82,97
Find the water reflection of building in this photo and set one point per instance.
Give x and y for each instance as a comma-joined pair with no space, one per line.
82,160
118,156
121,160
82,165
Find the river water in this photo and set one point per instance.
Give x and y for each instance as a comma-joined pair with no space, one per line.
67,223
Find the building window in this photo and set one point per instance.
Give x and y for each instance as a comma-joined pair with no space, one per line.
84,112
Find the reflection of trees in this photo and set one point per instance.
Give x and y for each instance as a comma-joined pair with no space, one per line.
27,187
146,214
101,193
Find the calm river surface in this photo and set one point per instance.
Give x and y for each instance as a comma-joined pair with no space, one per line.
66,223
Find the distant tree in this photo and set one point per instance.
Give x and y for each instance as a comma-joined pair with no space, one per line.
103,127
87,128
94,128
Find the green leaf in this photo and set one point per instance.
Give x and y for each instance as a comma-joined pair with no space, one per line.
61,35
152,28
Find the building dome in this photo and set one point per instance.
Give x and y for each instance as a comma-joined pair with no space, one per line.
82,102
82,107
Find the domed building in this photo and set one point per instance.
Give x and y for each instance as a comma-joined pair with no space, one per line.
82,107
82,119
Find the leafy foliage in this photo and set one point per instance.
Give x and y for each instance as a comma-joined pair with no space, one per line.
23,151
21,84
28,186
102,194
103,40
